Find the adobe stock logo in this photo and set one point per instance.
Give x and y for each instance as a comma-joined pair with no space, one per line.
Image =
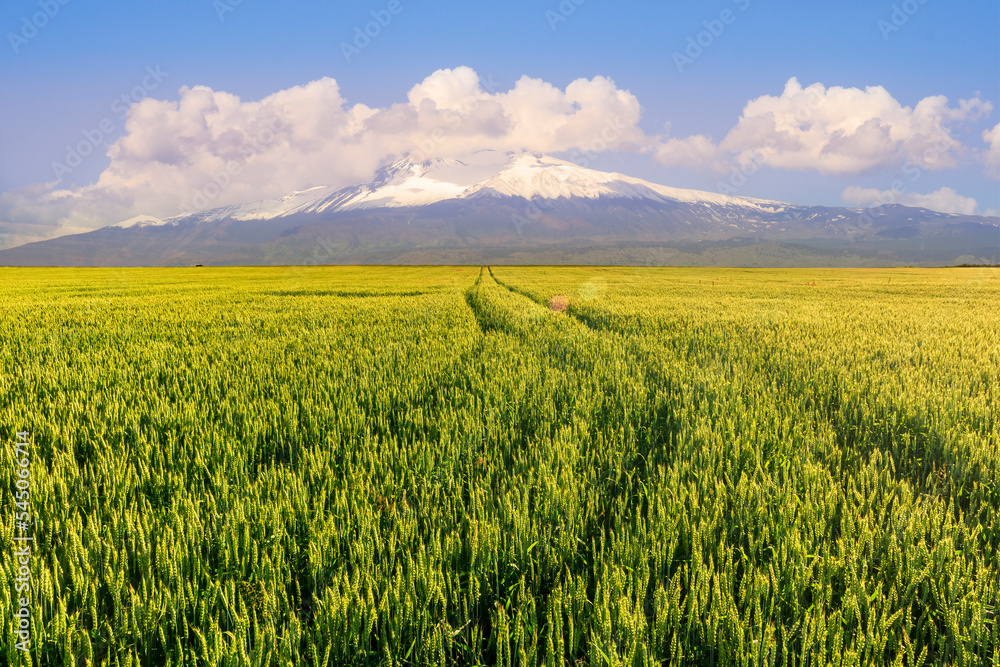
94,138
363,36
31,25
698,44
899,17
566,9
223,7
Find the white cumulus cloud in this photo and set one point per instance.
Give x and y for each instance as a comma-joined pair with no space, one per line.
992,154
210,148
696,151
842,131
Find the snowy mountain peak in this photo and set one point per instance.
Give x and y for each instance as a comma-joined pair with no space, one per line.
508,174
489,174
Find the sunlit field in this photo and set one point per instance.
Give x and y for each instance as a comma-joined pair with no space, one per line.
511,466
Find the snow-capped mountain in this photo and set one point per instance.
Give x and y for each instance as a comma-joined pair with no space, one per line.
495,206
482,175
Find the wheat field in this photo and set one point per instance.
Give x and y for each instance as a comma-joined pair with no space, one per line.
503,466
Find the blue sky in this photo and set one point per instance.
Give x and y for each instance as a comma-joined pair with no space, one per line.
64,82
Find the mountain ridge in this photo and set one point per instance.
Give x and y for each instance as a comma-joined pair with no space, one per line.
522,204
408,183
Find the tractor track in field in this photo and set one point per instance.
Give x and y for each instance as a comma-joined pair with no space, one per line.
471,299
922,460
921,456
566,342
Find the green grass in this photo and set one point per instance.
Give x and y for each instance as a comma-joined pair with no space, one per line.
412,466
